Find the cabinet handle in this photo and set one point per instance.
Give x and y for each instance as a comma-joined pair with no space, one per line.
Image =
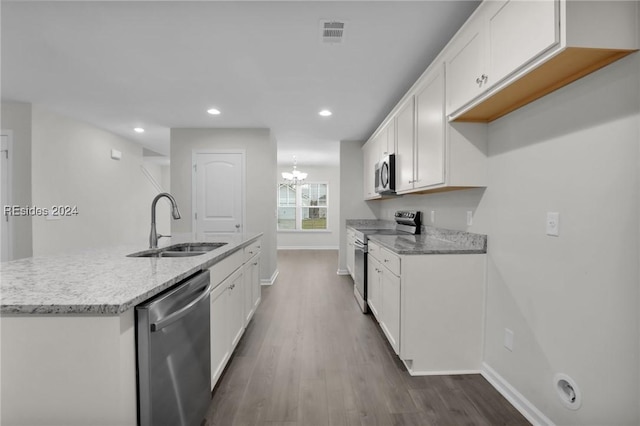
484,78
255,264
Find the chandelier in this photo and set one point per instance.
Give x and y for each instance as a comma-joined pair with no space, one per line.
296,175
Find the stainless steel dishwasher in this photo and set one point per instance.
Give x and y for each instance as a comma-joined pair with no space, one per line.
173,355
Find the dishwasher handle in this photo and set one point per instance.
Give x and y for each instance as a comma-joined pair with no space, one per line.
170,319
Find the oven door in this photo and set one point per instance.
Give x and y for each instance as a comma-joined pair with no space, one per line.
360,280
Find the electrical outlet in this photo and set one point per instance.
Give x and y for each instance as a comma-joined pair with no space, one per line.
469,218
553,224
508,339
433,217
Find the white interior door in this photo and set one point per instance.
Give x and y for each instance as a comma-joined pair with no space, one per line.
218,194
5,197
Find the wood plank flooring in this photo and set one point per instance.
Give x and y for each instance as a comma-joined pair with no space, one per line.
310,357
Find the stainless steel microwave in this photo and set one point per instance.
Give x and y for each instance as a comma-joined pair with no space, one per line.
385,175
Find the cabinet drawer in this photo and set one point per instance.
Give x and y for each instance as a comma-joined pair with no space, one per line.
374,251
252,249
225,267
390,261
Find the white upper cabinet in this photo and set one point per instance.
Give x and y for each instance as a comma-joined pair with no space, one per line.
514,41
405,131
510,53
496,42
370,152
466,65
430,132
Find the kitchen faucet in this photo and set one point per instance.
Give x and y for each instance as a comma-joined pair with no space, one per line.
153,237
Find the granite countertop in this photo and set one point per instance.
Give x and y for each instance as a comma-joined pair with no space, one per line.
425,244
99,281
431,240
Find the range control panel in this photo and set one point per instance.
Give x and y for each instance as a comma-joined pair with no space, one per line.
408,217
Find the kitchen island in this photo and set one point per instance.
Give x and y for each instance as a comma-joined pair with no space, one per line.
68,331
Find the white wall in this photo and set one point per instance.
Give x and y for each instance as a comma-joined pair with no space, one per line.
572,300
16,116
260,194
328,239
71,165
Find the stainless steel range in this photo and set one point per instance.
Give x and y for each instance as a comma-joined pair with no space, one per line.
407,222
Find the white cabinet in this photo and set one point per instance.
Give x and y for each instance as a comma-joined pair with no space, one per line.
370,153
220,331
383,291
252,289
501,37
236,307
405,131
420,160
351,237
430,308
511,52
374,287
465,65
518,31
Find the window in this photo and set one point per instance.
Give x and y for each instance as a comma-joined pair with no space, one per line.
303,206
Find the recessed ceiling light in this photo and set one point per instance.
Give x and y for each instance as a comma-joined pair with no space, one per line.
138,130
325,113
213,111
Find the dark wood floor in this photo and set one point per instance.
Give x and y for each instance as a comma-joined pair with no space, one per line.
310,357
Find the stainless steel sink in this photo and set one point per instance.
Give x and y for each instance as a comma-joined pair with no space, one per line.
193,247
179,250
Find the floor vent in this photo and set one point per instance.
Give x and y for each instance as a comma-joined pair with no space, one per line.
332,31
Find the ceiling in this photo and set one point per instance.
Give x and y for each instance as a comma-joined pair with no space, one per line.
161,65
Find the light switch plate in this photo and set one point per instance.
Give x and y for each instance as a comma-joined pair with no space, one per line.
553,224
508,339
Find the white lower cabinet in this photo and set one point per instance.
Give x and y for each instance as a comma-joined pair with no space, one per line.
351,236
220,331
374,290
430,308
252,290
234,299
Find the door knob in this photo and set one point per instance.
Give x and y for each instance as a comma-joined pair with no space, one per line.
237,226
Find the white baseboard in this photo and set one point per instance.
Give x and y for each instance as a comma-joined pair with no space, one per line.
438,373
272,280
308,248
515,398
343,272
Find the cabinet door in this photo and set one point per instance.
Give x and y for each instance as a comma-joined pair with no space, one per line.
220,331
391,308
248,309
369,154
466,66
518,32
236,307
256,291
405,143
430,132
350,254
386,140
374,295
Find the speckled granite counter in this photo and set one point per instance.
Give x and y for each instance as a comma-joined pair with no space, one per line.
431,241
98,281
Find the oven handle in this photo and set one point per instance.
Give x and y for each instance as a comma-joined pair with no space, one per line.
359,245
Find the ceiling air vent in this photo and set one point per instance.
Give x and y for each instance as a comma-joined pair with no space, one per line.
332,31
